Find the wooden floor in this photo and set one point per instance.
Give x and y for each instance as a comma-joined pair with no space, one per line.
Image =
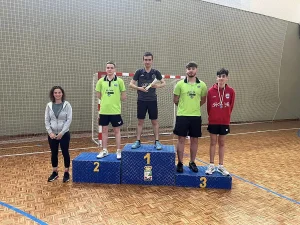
263,159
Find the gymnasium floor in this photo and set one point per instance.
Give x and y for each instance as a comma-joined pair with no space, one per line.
263,160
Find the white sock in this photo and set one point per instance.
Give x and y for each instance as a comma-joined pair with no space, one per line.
104,149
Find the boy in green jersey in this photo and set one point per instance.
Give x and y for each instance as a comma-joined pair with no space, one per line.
111,91
189,95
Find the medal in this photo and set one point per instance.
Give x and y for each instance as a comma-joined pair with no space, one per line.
221,97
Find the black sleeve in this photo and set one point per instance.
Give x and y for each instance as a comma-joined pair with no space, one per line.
136,75
158,75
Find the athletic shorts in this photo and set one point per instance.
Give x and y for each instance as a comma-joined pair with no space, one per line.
115,120
218,129
188,126
147,106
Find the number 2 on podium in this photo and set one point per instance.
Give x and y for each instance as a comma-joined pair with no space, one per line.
96,169
147,156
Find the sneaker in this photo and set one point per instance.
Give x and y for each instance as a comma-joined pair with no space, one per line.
53,176
193,167
136,144
66,177
221,169
119,154
102,154
179,167
210,169
158,145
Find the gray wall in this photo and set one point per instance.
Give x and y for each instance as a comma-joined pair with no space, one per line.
290,75
46,43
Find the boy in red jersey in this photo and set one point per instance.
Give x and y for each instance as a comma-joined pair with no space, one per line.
220,102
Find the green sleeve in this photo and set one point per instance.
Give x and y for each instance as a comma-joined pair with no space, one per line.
177,89
203,90
98,86
122,85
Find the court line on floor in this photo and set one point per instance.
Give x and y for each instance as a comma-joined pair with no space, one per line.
203,137
259,186
23,213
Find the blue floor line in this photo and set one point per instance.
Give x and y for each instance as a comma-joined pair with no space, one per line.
23,213
259,186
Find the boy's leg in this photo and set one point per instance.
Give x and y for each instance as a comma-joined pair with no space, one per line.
193,148
181,130
117,122
212,147
224,129
104,121
180,148
104,137
141,114
195,132
213,130
221,142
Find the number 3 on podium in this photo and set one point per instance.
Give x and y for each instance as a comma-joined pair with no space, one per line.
203,181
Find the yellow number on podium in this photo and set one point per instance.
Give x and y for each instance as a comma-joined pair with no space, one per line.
203,182
96,169
147,156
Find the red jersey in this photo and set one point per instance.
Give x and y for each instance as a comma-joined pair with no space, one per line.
220,104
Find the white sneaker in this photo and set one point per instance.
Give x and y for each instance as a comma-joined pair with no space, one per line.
102,154
210,169
221,169
119,154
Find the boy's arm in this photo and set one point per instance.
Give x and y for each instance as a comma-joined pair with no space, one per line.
232,100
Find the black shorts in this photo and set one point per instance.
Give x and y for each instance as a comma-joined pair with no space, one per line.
115,120
147,106
218,129
188,126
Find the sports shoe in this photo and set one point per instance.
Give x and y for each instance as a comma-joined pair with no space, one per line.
193,167
53,176
221,169
179,167
119,155
210,169
102,154
158,145
136,144
66,177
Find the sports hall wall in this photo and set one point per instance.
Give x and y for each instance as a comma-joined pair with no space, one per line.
46,43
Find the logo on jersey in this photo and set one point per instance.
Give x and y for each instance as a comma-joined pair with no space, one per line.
116,85
109,92
192,94
198,86
217,104
227,95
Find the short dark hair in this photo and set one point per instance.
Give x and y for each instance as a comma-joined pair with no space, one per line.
111,62
223,71
191,64
52,91
148,54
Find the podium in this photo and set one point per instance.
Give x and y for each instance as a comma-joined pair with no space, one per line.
88,169
148,166
144,166
201,180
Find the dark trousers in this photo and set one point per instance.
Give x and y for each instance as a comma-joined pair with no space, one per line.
64,143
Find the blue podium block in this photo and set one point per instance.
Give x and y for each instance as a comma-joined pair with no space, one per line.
201,180
88,169
148,166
